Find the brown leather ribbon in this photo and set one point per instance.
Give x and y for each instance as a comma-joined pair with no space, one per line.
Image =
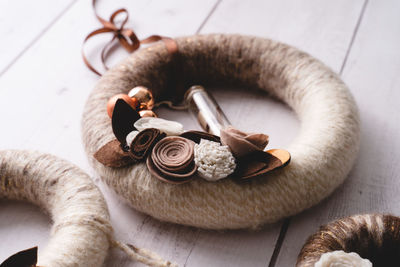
126,37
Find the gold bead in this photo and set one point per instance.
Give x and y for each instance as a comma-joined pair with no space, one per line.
133,102
144,96
147,113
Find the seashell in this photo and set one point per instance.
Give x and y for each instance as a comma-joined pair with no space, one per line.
166,126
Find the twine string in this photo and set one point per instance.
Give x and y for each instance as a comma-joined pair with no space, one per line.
127,38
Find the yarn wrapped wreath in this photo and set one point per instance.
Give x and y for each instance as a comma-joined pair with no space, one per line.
322,154
81,234
359,241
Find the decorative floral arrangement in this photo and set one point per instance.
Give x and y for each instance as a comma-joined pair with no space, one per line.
176,156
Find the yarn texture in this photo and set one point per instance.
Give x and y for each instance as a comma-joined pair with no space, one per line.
81,234
81,222
374,237
322,154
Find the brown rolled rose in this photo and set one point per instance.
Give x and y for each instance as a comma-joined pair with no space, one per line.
172,159
243,144
144,142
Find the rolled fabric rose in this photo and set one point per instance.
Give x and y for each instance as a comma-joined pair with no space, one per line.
172,159
143,143
243,144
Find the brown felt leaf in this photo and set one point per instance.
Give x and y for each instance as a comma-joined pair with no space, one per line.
123,118
196,136
25,258
259,163
112,155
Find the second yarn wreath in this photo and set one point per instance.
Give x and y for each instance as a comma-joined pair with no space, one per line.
322,154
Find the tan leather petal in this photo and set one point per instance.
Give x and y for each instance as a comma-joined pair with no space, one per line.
112,155
242,144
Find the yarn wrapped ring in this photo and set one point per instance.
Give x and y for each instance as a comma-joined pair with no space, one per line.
81,222
322,154
81,234
374,237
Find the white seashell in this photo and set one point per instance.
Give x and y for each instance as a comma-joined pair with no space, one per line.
130,137
166,126
339,258
213,160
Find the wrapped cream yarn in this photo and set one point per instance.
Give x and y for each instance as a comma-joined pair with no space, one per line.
321,100
81,234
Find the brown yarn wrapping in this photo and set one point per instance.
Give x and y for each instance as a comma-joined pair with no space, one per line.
375,237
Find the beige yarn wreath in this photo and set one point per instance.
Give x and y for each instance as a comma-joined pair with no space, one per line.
322,154
374,237
81,234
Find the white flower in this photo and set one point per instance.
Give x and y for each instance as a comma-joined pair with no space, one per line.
166,126
130,137
213,160
339,258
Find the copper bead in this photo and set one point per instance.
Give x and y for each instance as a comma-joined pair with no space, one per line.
147,113
143,95
133,102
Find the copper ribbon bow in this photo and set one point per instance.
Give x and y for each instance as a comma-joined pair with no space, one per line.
126,37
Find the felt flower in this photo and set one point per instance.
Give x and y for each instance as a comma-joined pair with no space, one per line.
213,160
343,259
144,142
165,126
172,159
243,144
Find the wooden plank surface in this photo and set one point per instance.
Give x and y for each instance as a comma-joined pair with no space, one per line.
24,22
372,73
46,105
55,85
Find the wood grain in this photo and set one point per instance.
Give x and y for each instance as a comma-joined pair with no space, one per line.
372,75
24,22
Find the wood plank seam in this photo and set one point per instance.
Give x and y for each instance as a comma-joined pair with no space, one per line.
286,222
279,242
364,7
37,38
208,16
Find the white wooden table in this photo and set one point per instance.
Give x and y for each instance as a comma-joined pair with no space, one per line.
44,85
